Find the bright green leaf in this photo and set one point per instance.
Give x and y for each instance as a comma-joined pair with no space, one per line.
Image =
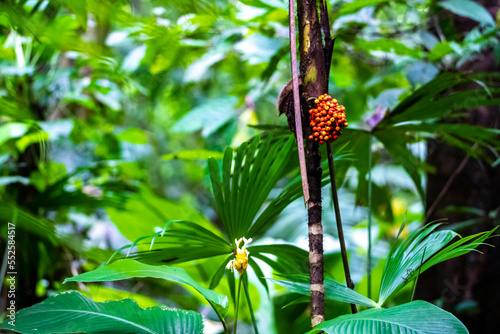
415,317
70,312
125,269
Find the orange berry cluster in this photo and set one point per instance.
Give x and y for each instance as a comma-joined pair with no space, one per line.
327,119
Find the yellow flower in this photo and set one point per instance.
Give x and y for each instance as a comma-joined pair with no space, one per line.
240,262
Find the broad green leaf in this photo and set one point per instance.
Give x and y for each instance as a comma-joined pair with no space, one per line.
333,289
193,155
470,9
417,317
389,46
125,269
12,130
439,51
31,138
145,211
134,136
99,293
208,117
70,312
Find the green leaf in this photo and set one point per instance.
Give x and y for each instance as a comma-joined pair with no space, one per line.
70,312
145,211
208,117
134,136
415,317
289,258
125,269
397,148
333,289
12,130
389,46
431,101
439,51
193,155
352,7
247,180
180,241
423,246
470,9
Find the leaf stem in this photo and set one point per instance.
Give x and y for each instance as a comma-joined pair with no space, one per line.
237,306
245,287
369,264
340,230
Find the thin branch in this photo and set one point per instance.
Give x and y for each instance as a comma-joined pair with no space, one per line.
340,230
447,186
296,102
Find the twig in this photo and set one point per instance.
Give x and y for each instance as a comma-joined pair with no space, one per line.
296,102
447,186
340,230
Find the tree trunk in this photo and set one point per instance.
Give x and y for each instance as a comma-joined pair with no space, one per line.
315,80
468,285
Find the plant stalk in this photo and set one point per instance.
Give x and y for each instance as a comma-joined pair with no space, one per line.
340,230
245,287
369,264
237,305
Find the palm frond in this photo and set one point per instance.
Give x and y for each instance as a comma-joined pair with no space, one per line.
423,249
247,181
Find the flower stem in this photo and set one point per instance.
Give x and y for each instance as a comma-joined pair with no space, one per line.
340,230
245,287
237,306
369,264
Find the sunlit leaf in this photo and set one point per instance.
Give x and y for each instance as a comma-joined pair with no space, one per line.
126,269
470,9
333,289
414,317
70,312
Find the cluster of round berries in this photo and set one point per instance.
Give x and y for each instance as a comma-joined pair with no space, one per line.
327,119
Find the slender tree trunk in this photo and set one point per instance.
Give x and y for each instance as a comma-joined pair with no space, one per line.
314,79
